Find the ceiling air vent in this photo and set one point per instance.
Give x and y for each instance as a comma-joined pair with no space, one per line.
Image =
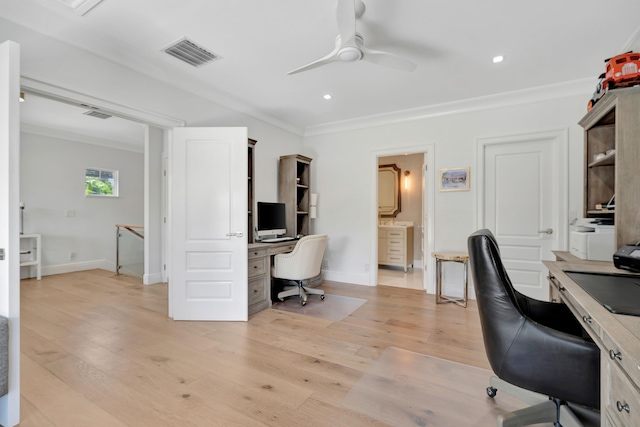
97,114
191,53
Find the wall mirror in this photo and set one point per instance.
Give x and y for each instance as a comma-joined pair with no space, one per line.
388,190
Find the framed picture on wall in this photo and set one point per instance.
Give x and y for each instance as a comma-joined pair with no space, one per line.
453,179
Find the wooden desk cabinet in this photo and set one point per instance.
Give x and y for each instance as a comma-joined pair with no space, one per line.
618,337
259,274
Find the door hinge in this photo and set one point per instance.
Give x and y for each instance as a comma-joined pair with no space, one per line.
165,219
165,172
1,254
164,267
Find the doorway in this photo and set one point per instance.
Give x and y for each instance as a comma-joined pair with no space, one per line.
414,218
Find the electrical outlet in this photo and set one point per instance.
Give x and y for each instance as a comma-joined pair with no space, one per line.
72,255
326,263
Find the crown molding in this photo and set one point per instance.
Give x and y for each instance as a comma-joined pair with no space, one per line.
583,87
83,139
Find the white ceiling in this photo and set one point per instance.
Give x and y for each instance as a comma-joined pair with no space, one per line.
544,42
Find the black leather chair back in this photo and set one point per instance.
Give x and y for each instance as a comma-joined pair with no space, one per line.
522,342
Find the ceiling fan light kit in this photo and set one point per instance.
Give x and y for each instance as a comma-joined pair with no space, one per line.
350,45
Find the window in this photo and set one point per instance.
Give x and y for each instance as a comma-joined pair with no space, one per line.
101,182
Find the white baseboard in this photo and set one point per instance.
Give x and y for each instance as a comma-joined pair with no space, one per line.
150,279
102,264
337,276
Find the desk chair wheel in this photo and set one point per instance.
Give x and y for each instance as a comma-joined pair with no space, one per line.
491,392
322,297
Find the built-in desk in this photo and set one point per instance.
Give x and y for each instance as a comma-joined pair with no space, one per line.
259,266
618,337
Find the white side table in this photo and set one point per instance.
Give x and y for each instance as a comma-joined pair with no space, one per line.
30,252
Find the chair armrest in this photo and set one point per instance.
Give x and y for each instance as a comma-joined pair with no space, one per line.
550,314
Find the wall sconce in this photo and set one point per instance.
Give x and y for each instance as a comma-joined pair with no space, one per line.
313,206
406,179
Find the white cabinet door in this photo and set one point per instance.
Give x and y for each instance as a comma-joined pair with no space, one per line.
524,204
208,224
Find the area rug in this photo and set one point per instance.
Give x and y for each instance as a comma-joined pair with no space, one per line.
334,307
404,388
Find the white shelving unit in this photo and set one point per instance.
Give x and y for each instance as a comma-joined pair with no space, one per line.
30,253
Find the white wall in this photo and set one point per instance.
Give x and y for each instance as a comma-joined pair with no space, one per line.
52,182
343,173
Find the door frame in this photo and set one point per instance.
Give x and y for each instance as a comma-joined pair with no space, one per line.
9,237
148,118
428,210
560,137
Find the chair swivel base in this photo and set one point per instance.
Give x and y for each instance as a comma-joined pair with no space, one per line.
301,291
543,409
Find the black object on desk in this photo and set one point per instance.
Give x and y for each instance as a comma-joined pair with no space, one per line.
618,293
627,258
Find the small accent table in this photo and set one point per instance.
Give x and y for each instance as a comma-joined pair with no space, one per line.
460,257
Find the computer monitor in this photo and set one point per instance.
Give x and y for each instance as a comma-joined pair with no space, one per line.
271,219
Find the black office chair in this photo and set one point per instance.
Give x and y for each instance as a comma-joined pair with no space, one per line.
536,349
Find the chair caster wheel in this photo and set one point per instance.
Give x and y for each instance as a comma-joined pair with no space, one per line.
303,303
322,297
281,299
491,392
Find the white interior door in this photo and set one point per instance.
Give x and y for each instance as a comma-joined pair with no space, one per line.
9,222
524,204
208,224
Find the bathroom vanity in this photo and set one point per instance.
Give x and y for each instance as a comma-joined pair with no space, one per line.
395,244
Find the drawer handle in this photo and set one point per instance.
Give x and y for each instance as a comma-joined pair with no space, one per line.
586,319
255,266
562,288
615,355
622,407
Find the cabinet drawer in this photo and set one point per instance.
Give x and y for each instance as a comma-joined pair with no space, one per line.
625,361
256,267
592,328
395,259
391,234
623,402
397,243
257,290
395,251
257,253
283,249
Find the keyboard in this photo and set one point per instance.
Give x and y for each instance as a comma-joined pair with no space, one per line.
277,239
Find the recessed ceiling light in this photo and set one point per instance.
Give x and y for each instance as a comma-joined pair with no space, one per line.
327,97
498,58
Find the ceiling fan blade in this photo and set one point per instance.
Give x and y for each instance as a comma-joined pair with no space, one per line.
346,16
331,57
387,59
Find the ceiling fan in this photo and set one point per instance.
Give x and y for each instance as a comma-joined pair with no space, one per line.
350,45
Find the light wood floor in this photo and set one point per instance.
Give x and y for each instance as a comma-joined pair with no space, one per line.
99,350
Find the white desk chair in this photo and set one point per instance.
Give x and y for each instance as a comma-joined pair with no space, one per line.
301,265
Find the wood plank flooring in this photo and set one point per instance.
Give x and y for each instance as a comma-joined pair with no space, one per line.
99,350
